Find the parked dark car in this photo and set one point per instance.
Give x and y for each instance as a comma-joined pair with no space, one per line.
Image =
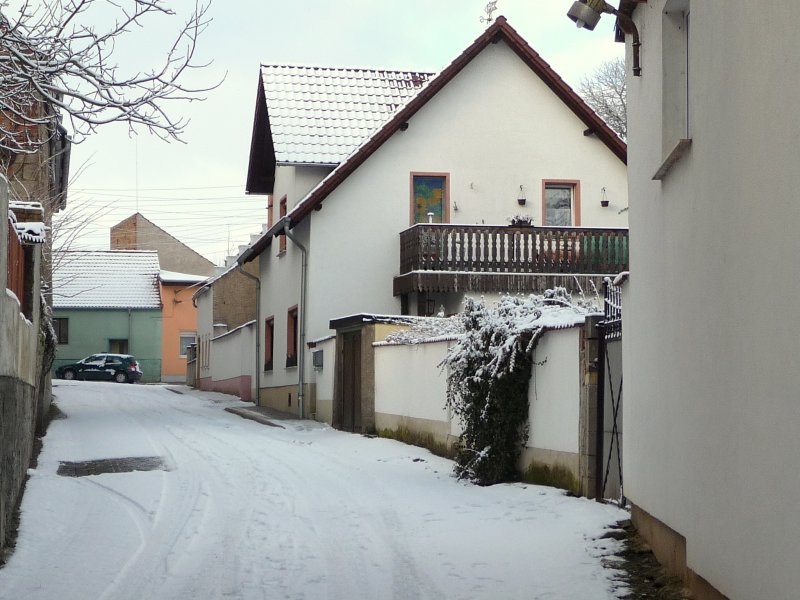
121,368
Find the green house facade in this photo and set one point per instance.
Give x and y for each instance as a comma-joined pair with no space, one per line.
108,301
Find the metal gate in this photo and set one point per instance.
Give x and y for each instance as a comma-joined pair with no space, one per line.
609,397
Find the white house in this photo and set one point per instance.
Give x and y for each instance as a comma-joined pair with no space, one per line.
711,412
496,134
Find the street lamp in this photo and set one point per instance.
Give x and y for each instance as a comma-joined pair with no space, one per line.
586,14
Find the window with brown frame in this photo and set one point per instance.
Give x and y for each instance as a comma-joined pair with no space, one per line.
561,203
282,238
291,337
269,342
430,198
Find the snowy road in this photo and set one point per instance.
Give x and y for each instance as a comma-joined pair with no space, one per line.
246,511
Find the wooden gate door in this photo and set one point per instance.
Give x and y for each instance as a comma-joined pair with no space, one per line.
351,381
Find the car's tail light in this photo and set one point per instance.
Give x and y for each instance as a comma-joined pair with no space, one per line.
133,366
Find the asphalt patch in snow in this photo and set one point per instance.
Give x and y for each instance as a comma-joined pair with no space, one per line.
111,465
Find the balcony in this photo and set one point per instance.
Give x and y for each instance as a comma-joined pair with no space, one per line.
484,258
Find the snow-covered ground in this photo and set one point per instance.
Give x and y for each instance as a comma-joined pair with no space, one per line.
249,511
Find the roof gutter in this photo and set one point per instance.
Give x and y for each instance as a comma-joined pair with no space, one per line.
265,240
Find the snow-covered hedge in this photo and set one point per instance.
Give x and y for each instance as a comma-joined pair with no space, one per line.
489,370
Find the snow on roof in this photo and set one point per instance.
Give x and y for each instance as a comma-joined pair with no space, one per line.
319,115
175,277
106,279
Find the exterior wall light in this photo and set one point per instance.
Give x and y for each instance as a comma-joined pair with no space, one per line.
586,14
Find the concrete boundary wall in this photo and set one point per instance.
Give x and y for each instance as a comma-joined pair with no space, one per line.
233,362
410,393
19,367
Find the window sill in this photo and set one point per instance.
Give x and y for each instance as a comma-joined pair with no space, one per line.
673,157
281,253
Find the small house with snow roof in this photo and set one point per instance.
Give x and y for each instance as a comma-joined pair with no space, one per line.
399,192
108,301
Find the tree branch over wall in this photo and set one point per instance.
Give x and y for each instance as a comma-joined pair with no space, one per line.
55,59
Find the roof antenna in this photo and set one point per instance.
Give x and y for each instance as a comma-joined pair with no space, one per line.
490,8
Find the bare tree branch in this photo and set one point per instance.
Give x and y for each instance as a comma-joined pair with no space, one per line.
604,90
53,60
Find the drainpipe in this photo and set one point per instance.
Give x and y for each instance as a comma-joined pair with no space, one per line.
257,399
301,310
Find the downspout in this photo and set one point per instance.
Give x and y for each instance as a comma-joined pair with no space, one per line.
257,399
301,310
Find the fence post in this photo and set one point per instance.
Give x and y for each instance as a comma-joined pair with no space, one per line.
590,413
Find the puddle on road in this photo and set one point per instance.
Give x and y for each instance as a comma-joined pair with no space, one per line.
111,465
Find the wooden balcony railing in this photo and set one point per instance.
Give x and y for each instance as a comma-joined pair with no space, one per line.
506,249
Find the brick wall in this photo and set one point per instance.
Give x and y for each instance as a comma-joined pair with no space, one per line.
137,233
123,234
235,297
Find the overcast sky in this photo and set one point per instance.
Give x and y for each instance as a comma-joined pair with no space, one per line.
195,190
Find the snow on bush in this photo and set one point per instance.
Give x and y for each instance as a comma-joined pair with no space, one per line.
488,372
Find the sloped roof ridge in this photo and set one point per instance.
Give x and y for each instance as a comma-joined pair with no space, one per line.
330,67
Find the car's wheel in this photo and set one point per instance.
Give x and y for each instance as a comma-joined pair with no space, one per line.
69,375
120,377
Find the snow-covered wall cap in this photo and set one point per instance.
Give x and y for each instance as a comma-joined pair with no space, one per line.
20,206
319,115
239,328
106,279
621,278
175,277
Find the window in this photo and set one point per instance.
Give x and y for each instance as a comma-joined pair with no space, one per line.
118,346
186,340
430,198
291,338
561,203
61,326
269,342
282,238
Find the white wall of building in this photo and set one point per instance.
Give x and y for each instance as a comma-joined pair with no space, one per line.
205,331
494,127
324,379
554,393
711,411
533,135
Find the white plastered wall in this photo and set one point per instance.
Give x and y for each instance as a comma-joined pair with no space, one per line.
554,392
421,396
232,354
494,127
711,410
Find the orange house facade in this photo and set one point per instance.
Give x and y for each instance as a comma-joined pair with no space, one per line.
179,323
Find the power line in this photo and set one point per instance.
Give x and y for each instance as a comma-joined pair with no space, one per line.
209,187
